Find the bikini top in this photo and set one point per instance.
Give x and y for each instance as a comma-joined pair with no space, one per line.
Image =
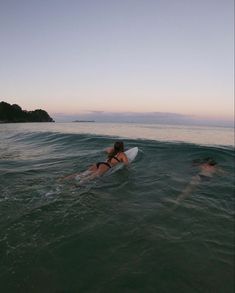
116,159
109,160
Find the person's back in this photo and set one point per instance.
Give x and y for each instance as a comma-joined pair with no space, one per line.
116,154
207,169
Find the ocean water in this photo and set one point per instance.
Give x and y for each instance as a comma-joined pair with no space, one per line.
124,232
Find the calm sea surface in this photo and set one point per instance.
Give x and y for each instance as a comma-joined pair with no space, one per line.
125,232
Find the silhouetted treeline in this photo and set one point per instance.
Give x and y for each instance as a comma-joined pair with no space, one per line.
14,113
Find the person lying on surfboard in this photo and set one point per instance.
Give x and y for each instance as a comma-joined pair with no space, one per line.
116,155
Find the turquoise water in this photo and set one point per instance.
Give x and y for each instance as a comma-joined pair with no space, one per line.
118,233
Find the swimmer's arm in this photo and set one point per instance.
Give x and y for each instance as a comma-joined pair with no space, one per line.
125,159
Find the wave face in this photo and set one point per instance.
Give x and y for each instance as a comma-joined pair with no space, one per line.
125,232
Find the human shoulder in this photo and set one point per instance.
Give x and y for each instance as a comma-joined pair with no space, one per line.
109,150
124,158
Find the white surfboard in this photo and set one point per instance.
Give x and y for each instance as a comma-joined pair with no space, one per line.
131,154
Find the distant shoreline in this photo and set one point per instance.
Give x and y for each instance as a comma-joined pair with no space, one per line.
82,121
14,114
17,122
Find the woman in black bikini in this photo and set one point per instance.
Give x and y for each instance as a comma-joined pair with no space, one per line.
116,155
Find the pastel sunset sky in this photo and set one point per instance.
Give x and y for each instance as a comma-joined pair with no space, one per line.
81,56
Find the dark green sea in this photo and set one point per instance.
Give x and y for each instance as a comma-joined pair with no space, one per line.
119,233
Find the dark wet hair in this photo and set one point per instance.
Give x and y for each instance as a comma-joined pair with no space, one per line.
208,160
117,148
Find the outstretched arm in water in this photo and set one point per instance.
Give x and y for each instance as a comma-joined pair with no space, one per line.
189,189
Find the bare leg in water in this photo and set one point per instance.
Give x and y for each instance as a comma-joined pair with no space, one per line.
195,181
91,173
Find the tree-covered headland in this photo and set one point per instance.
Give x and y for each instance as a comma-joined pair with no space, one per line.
14,113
